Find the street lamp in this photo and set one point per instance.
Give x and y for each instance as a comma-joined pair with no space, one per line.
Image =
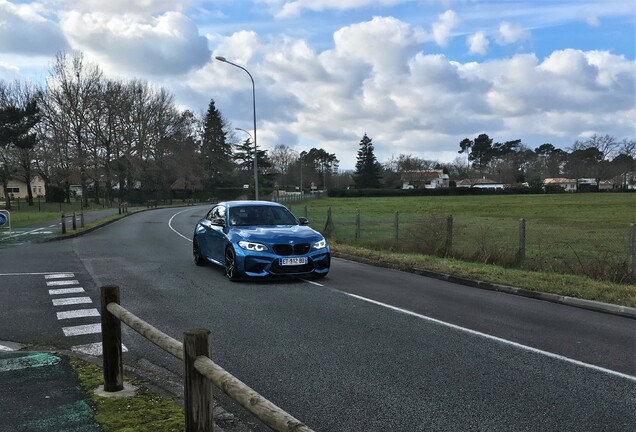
255,154
224,60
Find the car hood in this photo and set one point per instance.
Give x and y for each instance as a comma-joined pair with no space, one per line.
276,234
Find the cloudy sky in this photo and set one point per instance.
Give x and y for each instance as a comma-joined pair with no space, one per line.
417,76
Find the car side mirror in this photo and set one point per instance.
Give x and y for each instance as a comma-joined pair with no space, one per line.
303,221
218,222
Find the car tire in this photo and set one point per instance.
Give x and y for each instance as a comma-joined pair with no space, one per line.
230,264
196,253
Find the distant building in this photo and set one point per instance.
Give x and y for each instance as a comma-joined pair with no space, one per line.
18,188
569,185
482,183
434,179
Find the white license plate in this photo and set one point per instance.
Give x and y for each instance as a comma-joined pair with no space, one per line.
293,261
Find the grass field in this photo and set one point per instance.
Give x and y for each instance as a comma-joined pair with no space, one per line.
581,234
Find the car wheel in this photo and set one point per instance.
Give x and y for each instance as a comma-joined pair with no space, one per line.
196,252
230,264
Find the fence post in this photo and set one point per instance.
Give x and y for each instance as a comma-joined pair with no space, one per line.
111,341
74,222
448,247
397,226
632,253
329,225
82,219
358,224
521,253
63,224
119,207
197,388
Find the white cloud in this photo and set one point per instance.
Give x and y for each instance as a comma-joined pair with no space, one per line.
121,7
167,44
477,43
283,9
8,72
509,34
593,21
442,29
25,30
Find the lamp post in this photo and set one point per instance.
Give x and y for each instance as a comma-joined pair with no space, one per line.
224,60
255,154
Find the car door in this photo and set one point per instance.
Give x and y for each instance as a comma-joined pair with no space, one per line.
215,234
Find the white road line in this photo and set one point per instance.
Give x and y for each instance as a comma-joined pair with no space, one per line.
62,282
82,329
66,291
29,274
71,301
78,313
94,349
495,338
59,276
23,233
174,230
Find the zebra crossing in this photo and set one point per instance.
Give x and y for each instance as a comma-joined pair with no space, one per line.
74,307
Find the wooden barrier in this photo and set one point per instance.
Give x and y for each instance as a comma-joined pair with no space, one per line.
199,370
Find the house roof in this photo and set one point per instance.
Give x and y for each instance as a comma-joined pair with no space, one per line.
421,175
555,180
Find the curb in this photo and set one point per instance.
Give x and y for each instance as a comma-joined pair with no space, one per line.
623,311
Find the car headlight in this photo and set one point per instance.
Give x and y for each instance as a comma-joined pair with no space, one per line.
251,246
320,244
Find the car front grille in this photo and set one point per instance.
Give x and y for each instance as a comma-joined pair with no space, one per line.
287,249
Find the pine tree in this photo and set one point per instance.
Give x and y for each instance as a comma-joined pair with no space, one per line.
368,170
217,155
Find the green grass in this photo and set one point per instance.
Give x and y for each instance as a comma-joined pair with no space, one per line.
585,234
147,411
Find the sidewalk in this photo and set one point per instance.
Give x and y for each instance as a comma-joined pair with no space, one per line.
41,392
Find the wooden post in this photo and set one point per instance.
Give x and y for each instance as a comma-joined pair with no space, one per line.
329,225
197,388
358,224
521,253
397,226
632,253
74,222
119,207
448,247
82,219
63,224
111,341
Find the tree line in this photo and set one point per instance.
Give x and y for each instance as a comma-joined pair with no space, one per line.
127,140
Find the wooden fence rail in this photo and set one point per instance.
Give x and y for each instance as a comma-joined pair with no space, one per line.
199,370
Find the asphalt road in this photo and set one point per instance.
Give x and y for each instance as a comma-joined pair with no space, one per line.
365,349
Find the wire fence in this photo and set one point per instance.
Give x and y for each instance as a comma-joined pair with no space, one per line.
600,252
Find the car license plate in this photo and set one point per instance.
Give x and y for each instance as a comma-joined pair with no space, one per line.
293,261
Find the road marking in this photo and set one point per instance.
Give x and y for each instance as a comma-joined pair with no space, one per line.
311,282
66,291
59,276
495,338
62,282
78,313
28,361
29,274
82,329
174,230
71,301
94,349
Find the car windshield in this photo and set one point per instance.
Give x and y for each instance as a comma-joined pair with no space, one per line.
261,215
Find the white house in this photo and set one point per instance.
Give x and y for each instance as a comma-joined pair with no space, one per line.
569,185
18,189
434,179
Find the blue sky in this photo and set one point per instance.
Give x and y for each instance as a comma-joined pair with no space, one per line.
416,76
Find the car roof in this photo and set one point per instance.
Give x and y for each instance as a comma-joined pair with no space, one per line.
250,203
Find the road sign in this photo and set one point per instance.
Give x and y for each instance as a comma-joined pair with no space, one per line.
4,217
